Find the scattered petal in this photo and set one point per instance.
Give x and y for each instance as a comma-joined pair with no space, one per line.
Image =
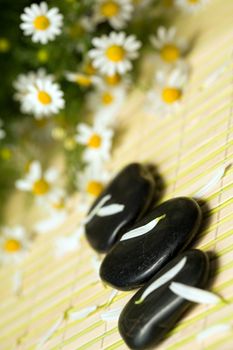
111,315
50,332
78,315
193,294
162,280
17,282
111,210
112,296
213,330
219,174
139,231
96,209
215,75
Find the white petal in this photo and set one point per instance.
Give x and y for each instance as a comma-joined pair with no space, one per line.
19,232
78,315
142,230
212,77
212,183
23,185
64,245
99,43
110,210
213,330
50,224
162,280
193,294
51,175
50,332
17,282
96,208
112,296
35,170
111,315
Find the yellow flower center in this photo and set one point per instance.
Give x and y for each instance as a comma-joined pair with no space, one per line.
94,188
59,204
193,1
112,79
40,187
12,246
41,23
109,9
95,141
44,97
89,69
115,53
83,80
171,95
170,53
107,98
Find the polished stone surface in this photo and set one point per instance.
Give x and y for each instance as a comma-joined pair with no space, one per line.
133,261
145,321
124,201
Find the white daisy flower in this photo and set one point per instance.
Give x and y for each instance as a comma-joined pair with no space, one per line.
107,103
58,213
44,98
92,180
170,92
14,244
23,81
68,244
38,183
191,6
169,47
38,94
113,54
42,23
116,12
81,79
98,141
2,131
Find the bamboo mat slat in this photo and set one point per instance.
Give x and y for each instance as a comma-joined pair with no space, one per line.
187,148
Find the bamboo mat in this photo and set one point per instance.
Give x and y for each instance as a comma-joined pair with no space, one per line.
187,148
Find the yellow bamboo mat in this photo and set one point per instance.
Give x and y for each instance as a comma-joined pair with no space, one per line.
188,148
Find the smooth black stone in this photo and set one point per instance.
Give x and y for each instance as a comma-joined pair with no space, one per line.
143,326
133,187
131,263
